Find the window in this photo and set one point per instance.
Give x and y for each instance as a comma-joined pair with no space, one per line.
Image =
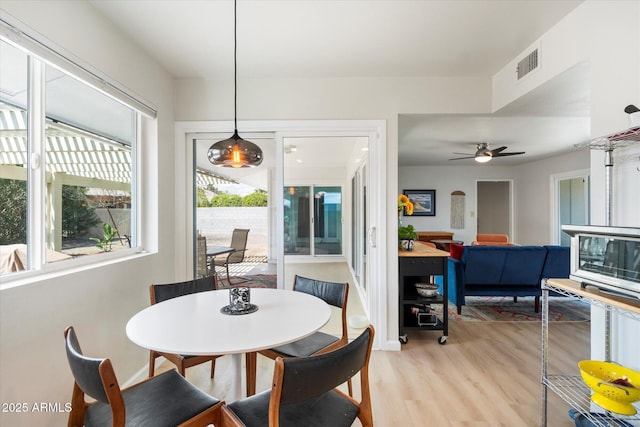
67,160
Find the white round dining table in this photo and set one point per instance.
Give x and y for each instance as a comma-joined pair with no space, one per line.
194,325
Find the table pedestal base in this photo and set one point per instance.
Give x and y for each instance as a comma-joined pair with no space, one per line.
236,376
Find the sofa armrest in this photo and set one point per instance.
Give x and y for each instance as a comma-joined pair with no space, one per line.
456,282
557,263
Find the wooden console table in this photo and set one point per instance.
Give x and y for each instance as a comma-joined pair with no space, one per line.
445,244
427,236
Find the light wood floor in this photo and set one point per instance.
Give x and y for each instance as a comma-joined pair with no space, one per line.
487,375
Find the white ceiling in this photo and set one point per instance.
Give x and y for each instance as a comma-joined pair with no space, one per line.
343,38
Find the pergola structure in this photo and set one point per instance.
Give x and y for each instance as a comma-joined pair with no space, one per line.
72,157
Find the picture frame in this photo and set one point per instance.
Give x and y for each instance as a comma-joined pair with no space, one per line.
424,202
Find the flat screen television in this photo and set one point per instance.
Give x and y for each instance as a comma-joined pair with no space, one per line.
606,257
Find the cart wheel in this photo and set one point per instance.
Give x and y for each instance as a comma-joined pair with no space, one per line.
443,339
403,339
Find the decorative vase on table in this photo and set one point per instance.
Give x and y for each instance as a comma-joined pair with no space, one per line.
406,244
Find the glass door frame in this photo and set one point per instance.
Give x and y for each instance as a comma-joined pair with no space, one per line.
554,192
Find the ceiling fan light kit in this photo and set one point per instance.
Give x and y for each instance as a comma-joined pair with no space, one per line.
235,152
484,154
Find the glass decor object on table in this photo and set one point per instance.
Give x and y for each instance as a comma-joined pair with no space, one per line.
239,302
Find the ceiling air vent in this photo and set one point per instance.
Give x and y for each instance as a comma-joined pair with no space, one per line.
528,64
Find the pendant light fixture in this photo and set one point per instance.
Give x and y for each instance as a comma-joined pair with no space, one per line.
235,152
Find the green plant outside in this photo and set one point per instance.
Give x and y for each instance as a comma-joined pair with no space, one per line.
201,198
107,238
13,211
256,199
222,200
77,216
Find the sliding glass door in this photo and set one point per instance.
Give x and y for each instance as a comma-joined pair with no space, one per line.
297,221
313,220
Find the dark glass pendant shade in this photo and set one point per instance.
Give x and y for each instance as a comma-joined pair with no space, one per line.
235,152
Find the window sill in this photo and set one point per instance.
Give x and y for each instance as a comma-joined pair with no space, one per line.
67,267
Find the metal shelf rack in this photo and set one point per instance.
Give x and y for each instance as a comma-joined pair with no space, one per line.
569,387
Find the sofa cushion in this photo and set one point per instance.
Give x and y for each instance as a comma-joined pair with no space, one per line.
503,265
523,265
501,271
483,264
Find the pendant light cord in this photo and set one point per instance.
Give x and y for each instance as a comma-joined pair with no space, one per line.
235,66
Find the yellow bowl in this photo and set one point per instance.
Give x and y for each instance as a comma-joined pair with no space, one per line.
600,377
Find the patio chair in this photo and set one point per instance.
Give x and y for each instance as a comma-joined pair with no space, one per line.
202,269
491,240
239,244
166,400
304,393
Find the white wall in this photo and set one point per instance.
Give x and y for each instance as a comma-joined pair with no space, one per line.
533,203
97,301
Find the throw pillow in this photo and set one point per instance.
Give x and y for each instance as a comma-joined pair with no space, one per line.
455,251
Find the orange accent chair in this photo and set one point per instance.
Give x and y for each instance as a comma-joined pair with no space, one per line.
491,240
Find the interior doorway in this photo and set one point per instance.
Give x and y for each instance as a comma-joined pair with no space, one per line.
495,207
570,203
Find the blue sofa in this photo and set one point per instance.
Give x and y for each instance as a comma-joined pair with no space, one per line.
505,271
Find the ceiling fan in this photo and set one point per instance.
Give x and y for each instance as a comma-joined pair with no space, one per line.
484,154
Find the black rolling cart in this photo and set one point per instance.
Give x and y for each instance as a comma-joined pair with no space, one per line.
415,311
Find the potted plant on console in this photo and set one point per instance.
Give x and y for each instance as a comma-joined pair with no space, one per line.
407,236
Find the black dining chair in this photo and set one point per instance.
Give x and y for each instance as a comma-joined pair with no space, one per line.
164,292
167,400
304,393
333,293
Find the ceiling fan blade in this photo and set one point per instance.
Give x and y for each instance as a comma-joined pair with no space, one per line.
498,150
465,154
508,154
460,158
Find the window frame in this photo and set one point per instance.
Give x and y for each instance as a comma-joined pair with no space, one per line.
40,54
